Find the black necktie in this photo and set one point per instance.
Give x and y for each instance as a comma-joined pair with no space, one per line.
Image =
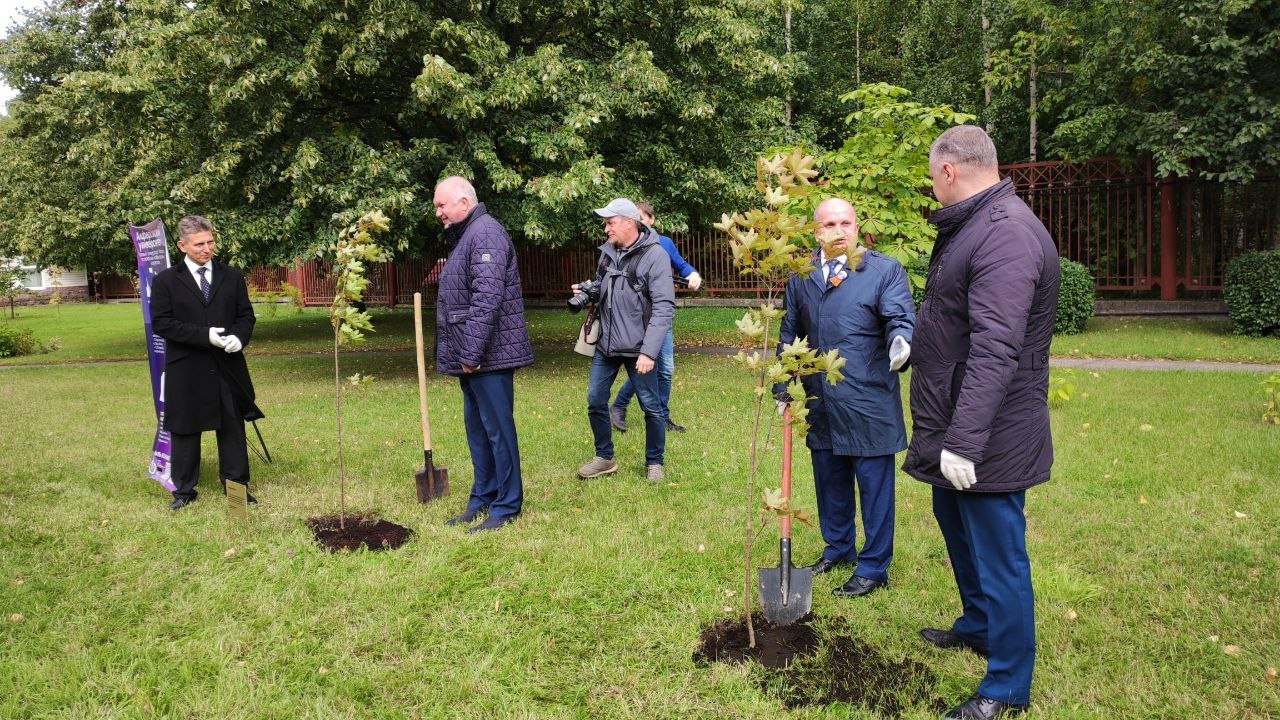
204,283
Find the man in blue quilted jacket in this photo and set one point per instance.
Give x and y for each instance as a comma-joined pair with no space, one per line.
481,339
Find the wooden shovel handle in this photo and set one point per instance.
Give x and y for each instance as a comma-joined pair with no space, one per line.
786,472
422,372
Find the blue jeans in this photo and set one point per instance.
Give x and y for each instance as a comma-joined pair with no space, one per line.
604,370
665,366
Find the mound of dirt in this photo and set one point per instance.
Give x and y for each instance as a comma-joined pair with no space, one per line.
372,533
805,667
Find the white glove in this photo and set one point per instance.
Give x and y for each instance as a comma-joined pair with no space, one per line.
216,339
695,280
958,470
899,352
233,344
782,407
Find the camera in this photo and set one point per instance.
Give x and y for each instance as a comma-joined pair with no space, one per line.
590,293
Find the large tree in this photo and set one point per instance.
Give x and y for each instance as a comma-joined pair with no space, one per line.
1194,85
283,120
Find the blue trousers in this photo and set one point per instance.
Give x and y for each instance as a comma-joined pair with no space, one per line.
834,477
665,366
488,411
604,369
986,536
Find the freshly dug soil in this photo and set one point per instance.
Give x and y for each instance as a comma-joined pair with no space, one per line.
372,533
803,667
777,646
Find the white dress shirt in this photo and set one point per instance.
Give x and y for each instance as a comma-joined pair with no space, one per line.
194,269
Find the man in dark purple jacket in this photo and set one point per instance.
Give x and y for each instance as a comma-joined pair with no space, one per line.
980,419
481,338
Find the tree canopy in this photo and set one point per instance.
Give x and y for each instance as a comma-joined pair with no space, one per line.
285,122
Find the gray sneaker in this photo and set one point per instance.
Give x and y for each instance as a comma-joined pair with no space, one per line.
656,474
618,417
597,467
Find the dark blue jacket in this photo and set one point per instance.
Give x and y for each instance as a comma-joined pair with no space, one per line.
862,415
480,307
980,362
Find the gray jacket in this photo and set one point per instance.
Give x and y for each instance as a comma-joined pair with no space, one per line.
637,297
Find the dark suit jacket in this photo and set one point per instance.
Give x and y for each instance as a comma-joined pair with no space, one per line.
192,364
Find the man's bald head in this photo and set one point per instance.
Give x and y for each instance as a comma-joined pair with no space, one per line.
837,223
832,205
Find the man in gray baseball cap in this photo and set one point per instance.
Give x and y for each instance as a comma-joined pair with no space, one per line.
637,303
620,207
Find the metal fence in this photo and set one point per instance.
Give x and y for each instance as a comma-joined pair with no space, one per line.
1135,233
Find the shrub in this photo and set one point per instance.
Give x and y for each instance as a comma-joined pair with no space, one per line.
1075,298
1271,413
1251,288
18,341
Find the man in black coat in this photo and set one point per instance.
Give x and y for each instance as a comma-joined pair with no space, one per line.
202,310
980,419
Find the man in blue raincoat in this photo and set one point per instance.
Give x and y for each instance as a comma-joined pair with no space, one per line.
859,302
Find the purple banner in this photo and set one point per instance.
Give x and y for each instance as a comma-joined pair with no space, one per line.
152,246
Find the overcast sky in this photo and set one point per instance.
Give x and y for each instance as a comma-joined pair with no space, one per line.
8,14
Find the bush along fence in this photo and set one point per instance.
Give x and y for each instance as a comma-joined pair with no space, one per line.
1134,233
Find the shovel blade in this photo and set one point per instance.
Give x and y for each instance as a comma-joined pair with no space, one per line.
780,608
432,483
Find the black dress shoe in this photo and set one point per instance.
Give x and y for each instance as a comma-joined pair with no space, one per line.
859,586
946,640
179,503
465,518
252,500
673,427
492,523
982,708
824,565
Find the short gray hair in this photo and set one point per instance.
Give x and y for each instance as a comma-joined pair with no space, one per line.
964,145
462,186
192,224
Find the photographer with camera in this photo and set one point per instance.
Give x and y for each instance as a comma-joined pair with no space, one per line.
635,297
685,276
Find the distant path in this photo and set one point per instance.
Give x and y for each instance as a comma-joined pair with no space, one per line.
1088,363
1055,361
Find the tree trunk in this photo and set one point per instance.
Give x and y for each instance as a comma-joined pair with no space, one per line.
1032,83
790,68
857,44
337,405
986,68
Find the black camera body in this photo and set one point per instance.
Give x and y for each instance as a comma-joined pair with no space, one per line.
590,294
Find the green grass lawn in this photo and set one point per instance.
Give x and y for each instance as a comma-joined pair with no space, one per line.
114,332
1155,551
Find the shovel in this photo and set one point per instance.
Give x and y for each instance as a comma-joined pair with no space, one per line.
786,592
432,482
